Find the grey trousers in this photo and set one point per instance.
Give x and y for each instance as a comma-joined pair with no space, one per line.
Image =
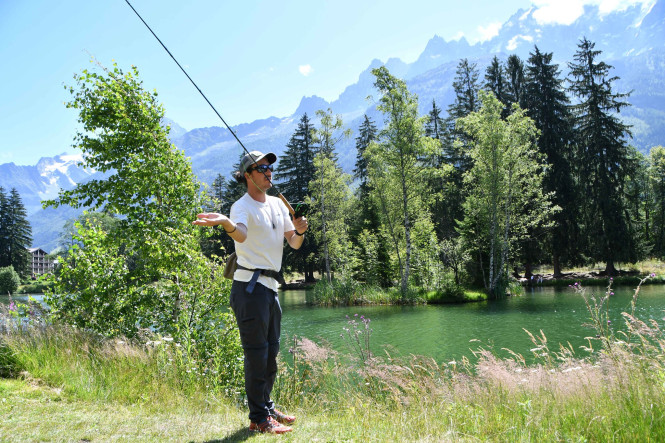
259,318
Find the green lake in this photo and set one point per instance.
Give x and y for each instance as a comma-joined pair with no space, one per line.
445,332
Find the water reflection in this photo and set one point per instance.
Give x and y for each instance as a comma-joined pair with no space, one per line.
445,332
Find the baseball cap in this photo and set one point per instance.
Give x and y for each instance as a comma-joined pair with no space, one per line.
253,157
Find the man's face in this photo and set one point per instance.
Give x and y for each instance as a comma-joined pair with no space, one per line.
258,178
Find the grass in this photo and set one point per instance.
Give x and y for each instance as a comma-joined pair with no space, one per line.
35,286
66,385
351,293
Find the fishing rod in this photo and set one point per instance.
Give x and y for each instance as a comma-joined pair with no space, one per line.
300,207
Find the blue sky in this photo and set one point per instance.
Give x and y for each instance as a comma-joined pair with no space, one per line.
253,58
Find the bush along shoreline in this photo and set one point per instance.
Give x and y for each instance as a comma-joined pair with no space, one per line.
347,292
351,293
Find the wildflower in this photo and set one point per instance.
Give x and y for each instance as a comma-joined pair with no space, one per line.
611,293
609,321
652,275
576,283
12,306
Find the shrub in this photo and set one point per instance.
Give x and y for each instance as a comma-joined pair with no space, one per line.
9,280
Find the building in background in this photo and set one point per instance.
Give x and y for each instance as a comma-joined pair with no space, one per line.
41,264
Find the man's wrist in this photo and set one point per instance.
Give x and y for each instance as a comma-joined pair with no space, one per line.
298,233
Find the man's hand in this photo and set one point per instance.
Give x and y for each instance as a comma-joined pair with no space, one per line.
301,224
213,219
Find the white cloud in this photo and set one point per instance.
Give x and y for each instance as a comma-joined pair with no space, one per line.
490,31
458,36
514,42
566,12
562,12
305,70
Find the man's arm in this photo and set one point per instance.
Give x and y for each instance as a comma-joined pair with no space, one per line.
237,231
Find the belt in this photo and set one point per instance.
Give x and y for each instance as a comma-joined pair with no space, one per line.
267,272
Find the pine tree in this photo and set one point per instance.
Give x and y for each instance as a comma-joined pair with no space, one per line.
367,133
295,171
456,146
296,166
603,157
435,126
548,106
516,78
4,229
371,247
217,242
20,235
466,91
495,82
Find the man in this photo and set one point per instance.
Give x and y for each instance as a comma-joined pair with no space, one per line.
258,224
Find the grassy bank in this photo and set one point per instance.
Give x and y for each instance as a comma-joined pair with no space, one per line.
351,293
34,287
65,385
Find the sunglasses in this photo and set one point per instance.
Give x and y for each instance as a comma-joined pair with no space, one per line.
261,168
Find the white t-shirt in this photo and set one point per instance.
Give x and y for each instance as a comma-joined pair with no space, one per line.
264,246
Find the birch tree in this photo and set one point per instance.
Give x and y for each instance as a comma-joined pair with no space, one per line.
328,178
506,177
397,170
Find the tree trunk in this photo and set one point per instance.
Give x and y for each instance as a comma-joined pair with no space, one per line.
610,270
407,237
556,262
528,270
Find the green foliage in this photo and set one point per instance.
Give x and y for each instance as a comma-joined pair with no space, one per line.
372,261
9,280
548,106
40,286
397,170
349,292
145,270
295,172
448,290
330,198
15,233
506,197
656,174
604,158
496,83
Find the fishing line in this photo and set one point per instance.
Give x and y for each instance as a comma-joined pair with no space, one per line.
288,205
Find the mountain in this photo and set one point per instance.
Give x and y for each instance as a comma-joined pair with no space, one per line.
632,40
175,129
44,180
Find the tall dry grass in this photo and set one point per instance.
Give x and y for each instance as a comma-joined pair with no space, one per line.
612,389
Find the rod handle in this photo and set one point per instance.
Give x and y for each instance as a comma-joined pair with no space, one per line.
288,205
